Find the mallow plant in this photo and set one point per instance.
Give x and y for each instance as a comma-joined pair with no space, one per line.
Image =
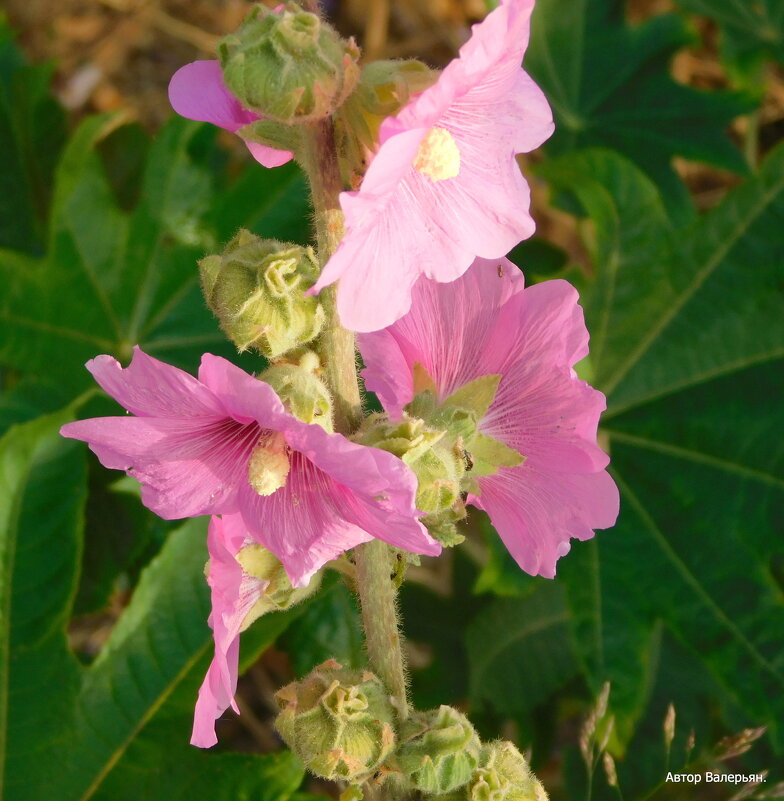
418,197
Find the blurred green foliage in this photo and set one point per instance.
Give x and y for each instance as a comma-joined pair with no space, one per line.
681,603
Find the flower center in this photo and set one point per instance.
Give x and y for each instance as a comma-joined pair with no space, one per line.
438,157
269,464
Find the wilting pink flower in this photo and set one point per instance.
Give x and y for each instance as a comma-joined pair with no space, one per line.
224,444
487,323
444,186
197,92
233,593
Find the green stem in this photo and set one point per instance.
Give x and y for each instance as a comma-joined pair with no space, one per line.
336,344
377,596
377,593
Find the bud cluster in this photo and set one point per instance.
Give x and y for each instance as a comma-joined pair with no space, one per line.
341,724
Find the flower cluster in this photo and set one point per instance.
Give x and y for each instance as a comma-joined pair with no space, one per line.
475,371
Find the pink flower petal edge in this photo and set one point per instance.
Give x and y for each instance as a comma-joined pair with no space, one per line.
445,174
487,323
197,92
233,594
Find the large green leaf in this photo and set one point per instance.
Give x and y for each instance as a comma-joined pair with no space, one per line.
39,550
130,277
688,345
117,724
520,650
609,85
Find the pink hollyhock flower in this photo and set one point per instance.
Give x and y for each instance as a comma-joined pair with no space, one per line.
444,186
233,593
486,323
197,92
224,444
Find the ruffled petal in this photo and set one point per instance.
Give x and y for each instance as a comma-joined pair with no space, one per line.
233,594
303,523
536,513
383,487
151,388
242,396
338,495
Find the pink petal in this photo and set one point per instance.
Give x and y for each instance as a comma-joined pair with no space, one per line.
197,92
242,396
487,323
186,468
233,595
304,523
268,156
536,513
151,388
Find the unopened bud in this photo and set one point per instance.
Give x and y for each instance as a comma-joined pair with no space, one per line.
437,465
384,88
256,288
259,563
288,65
302,392
337,721
439,750
504,775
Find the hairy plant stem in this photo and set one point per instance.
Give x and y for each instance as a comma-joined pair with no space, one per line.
378,598
336,344
377,593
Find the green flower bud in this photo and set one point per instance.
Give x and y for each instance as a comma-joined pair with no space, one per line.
337,721
437,465
439,750
288,65
504,775
260,563
256,288
443,525
384,88
302,392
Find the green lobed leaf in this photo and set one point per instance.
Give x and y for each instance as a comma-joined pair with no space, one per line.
131,276
609,85
689,348
117,725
